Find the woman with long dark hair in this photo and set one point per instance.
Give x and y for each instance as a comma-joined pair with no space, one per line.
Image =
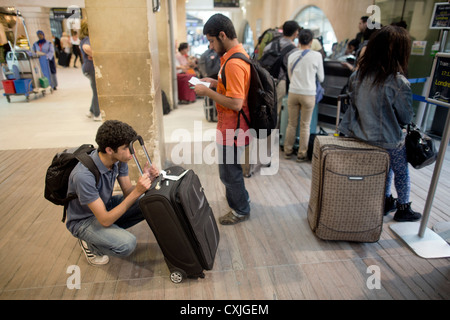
381,104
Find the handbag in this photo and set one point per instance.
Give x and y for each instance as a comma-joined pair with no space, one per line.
320,91
420,149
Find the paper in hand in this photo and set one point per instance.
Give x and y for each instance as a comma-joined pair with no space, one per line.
195,81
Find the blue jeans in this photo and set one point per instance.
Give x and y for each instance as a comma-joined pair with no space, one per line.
95,107
114,240
231,175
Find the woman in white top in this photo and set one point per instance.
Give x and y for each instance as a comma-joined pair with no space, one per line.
76,48
304,67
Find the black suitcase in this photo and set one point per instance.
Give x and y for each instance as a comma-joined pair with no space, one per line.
177,211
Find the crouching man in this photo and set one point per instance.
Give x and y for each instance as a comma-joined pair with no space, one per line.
97,218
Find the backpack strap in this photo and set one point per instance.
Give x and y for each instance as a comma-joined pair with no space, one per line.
89,163
237,55
284,52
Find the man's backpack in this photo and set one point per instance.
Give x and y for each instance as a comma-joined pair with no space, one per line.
267,37
57,177
272,60
262,98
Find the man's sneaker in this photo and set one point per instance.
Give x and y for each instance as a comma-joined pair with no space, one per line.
98,118
232,218
390,205
92,258
405,214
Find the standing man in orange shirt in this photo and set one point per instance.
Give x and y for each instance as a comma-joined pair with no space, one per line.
232,135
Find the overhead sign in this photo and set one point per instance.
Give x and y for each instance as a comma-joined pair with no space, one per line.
441,16
439,87
66,13
226,3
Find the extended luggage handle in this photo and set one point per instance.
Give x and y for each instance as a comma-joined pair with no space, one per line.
163,174
133,153
338,112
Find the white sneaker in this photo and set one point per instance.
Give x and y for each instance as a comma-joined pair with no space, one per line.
89,115
98,118
92,258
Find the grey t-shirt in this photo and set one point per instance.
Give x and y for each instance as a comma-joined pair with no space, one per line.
82,182
88,65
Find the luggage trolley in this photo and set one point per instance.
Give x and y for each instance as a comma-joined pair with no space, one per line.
31,80
209,106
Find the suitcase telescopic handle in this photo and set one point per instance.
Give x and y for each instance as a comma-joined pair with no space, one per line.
133,153
338,112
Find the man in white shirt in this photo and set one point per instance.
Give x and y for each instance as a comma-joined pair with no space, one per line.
304,67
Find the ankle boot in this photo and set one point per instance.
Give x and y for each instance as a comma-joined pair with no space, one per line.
404,213
390,204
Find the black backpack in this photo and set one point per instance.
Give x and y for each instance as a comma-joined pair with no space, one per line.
272,60
262,98
57,177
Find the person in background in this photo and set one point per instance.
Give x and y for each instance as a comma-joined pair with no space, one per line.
362,26
185,72
381,104
57,46
66,52
209,63
183,63
46,47
286,42
304,67
75,41
89,70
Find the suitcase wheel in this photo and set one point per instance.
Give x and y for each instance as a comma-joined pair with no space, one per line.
177,276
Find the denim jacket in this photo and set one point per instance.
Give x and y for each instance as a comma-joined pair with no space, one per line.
377,114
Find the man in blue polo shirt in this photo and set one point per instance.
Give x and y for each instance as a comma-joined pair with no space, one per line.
97,218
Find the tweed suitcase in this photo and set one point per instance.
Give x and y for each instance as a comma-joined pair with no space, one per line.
347,189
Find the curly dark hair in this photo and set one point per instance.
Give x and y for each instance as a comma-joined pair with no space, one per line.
114,134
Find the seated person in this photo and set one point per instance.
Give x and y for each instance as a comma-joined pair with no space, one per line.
185,72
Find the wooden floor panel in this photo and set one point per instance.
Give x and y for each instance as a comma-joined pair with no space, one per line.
274,255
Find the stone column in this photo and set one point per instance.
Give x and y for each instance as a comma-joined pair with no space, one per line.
125,48
165,50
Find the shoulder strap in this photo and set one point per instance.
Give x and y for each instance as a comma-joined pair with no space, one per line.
89,163
287,49
298,60
283,53
237,55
